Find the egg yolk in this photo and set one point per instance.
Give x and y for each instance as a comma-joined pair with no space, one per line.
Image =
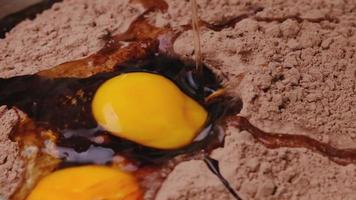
148,109
87,183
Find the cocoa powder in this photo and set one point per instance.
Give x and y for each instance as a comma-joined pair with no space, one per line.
291,62
11,165
68,31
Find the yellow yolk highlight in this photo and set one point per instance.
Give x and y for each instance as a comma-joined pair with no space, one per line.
148,109
87,183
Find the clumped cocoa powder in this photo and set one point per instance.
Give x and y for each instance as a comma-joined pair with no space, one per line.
68,31
312,85
292,63
11,165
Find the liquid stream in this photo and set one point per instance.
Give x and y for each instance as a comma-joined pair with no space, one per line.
58,129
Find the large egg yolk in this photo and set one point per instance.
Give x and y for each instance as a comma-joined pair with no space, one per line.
148,109
87,183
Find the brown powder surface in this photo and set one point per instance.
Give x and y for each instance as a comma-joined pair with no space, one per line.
260,173
292,62
11,166
70,30
298,72
192,180
212,11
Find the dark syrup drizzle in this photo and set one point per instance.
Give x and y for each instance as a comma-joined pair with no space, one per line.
213,166
64,106
45,93
196,23
275,140
58,101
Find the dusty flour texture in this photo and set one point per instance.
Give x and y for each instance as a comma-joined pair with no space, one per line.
212,11
293,62
10,163
68,31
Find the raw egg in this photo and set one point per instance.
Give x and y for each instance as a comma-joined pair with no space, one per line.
87,183
148,109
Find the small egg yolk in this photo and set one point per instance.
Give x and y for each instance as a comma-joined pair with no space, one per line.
148,109
87,183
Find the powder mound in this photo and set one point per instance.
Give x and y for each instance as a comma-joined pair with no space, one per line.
217,11
294,70
11,166
309,80
194,174
212,11
283,173
292,63
68,31
259,173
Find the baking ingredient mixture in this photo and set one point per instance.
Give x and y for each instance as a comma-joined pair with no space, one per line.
133,111
133,117
290,62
